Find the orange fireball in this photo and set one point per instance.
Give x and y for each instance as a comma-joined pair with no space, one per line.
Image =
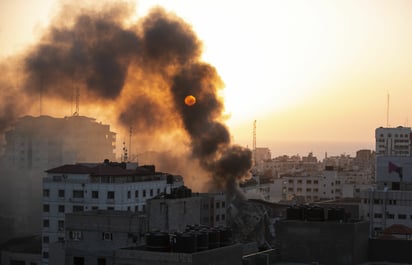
190,100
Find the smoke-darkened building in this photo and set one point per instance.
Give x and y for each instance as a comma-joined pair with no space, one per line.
312,234
174,211
36,144
44,142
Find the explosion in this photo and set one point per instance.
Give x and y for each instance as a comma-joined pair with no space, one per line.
190,100
139,74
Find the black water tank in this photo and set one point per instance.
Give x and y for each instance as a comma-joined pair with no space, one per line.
336,214
294,213
225,236
158,241
315,213
202,240
214,238
185,242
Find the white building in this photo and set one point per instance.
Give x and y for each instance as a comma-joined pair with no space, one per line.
105,186
393,141
389,202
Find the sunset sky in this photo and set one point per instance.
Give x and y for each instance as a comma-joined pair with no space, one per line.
316,75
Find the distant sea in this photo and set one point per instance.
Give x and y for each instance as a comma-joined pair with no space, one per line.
318,148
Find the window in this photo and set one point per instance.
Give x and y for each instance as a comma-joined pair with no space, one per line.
61,193
377,215
101,261
315,182
61,208
46,223
46,193
136,194
60,239
95,194
217,205
223,217
60,225
110,195
308,181
17,262
78,260
129,194
151,192
46,208
77,208
144,193
107,236
46,255
401,216
95,208
299,181
391,216
110,208
78,194
46,239
76,235
158,191
223,204
217,218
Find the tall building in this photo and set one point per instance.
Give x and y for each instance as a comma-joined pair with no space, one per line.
105,186
389,203
36,144
393,141
44,142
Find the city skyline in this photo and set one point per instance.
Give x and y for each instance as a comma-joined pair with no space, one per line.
310,73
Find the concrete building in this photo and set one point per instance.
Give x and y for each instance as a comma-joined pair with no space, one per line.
35,144
45,142
104,186
393,141
323,242
388,202
228,255
21,251
174,211
92,237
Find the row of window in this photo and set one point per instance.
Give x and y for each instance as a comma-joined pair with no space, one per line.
299,181
218,205
396,135
109,195
391,216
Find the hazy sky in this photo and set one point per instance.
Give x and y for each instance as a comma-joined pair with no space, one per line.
314,74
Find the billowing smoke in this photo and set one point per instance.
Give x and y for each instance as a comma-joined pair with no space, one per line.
140,72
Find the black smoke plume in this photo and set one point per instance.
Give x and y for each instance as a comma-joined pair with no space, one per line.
143,71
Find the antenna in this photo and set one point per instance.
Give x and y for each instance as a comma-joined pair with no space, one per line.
124,152
130,142
41,101
254,142
76,112
387,112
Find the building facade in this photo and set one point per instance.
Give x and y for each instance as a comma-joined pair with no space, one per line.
104,186
389,201
173,212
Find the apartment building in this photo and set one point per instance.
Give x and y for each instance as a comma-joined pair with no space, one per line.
104,186
389,201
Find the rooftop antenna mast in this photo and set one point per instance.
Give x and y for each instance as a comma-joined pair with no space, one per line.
254,142
387,112
130,142
77,98
125,157
41,101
